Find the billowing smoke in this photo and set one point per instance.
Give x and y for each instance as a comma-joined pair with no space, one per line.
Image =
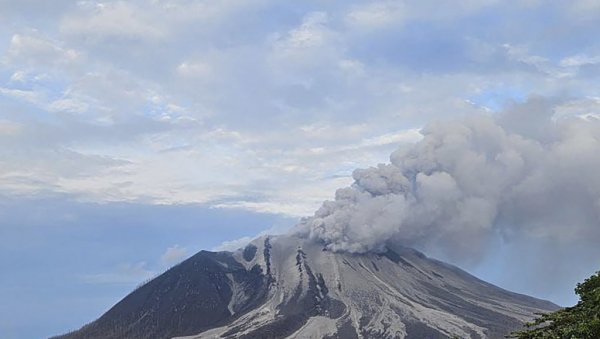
524,173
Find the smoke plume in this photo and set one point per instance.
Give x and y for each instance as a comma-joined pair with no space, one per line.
524,173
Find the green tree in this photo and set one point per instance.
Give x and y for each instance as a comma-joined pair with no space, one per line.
581,321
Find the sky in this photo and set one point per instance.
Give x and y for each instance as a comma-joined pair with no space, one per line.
135,133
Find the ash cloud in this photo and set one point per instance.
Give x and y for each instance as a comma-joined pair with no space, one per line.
469,182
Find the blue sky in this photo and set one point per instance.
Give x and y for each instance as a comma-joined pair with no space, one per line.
69,261
134,133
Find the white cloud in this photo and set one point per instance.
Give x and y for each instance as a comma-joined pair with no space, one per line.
116,19
579,60
68,105
194,69
33,50
25,95
408,136
137,273
18,76
308,45
385,13
173,255
123,274
378,14
311,33
216,102
235,244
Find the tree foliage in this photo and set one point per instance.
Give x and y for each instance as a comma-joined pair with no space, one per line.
581,321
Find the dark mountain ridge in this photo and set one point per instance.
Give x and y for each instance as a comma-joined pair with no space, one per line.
285,286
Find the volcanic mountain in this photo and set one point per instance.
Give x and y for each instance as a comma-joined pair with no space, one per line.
290,287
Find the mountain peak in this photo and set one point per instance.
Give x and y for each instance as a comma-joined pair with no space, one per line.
290,287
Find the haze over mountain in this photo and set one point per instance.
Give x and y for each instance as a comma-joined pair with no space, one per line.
291,287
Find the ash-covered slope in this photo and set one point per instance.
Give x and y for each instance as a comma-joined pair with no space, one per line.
288,287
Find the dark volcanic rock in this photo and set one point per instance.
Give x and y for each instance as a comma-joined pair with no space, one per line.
189,298
288,287
249,252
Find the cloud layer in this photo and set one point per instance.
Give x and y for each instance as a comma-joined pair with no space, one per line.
261,104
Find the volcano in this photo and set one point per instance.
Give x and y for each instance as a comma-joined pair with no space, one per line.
290,287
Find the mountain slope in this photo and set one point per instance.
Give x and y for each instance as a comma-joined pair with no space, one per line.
285,286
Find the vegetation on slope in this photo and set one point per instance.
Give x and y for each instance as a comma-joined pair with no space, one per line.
581,321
